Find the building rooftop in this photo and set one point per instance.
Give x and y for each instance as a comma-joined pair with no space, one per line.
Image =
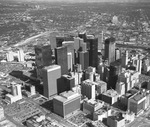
68,76
101,83
117,117
111,93
95,103
89,82
110,40
65,96
52,67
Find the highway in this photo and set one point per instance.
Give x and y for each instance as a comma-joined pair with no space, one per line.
133,46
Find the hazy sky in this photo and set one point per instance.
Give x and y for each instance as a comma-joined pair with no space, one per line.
81,0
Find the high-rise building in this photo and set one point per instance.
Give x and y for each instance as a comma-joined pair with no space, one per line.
13,89
83,36
101,87
70,63
65,83
10,56
84,59
88,89
32,90
110,49
53,41
100,41
66,103
21,55
93,52
70,48
43,57
62,59
124,59
117,54
51,74
90,73
76,43
11,98
120,88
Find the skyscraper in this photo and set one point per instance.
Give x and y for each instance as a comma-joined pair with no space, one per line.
88,89
83,36
43,55
20,55
83,59
110,49
66,83
70,63
93,52
62,59
70,48
51,74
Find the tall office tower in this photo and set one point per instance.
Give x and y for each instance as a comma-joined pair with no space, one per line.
62,59
10,56
83,36
120,88
66,103
70,63
115,70
100,41
110,49
83,46
19,93
60,39
90,73
139,64
51,74
1,113
43,57
70,48
65,83
21,55
124,59
76,43
88,89
32,90
93,52
84,59
13,89
53,42
117,54
103,71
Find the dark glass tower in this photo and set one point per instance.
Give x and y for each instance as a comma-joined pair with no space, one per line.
43,57
110,50
83,36
83,59
62,59
93,52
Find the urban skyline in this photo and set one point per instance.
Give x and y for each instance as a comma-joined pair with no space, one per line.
74,65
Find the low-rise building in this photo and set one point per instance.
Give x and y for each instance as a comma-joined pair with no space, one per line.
110,96
116,121
66,103
90,106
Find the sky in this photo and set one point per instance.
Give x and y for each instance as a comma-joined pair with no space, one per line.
80,0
